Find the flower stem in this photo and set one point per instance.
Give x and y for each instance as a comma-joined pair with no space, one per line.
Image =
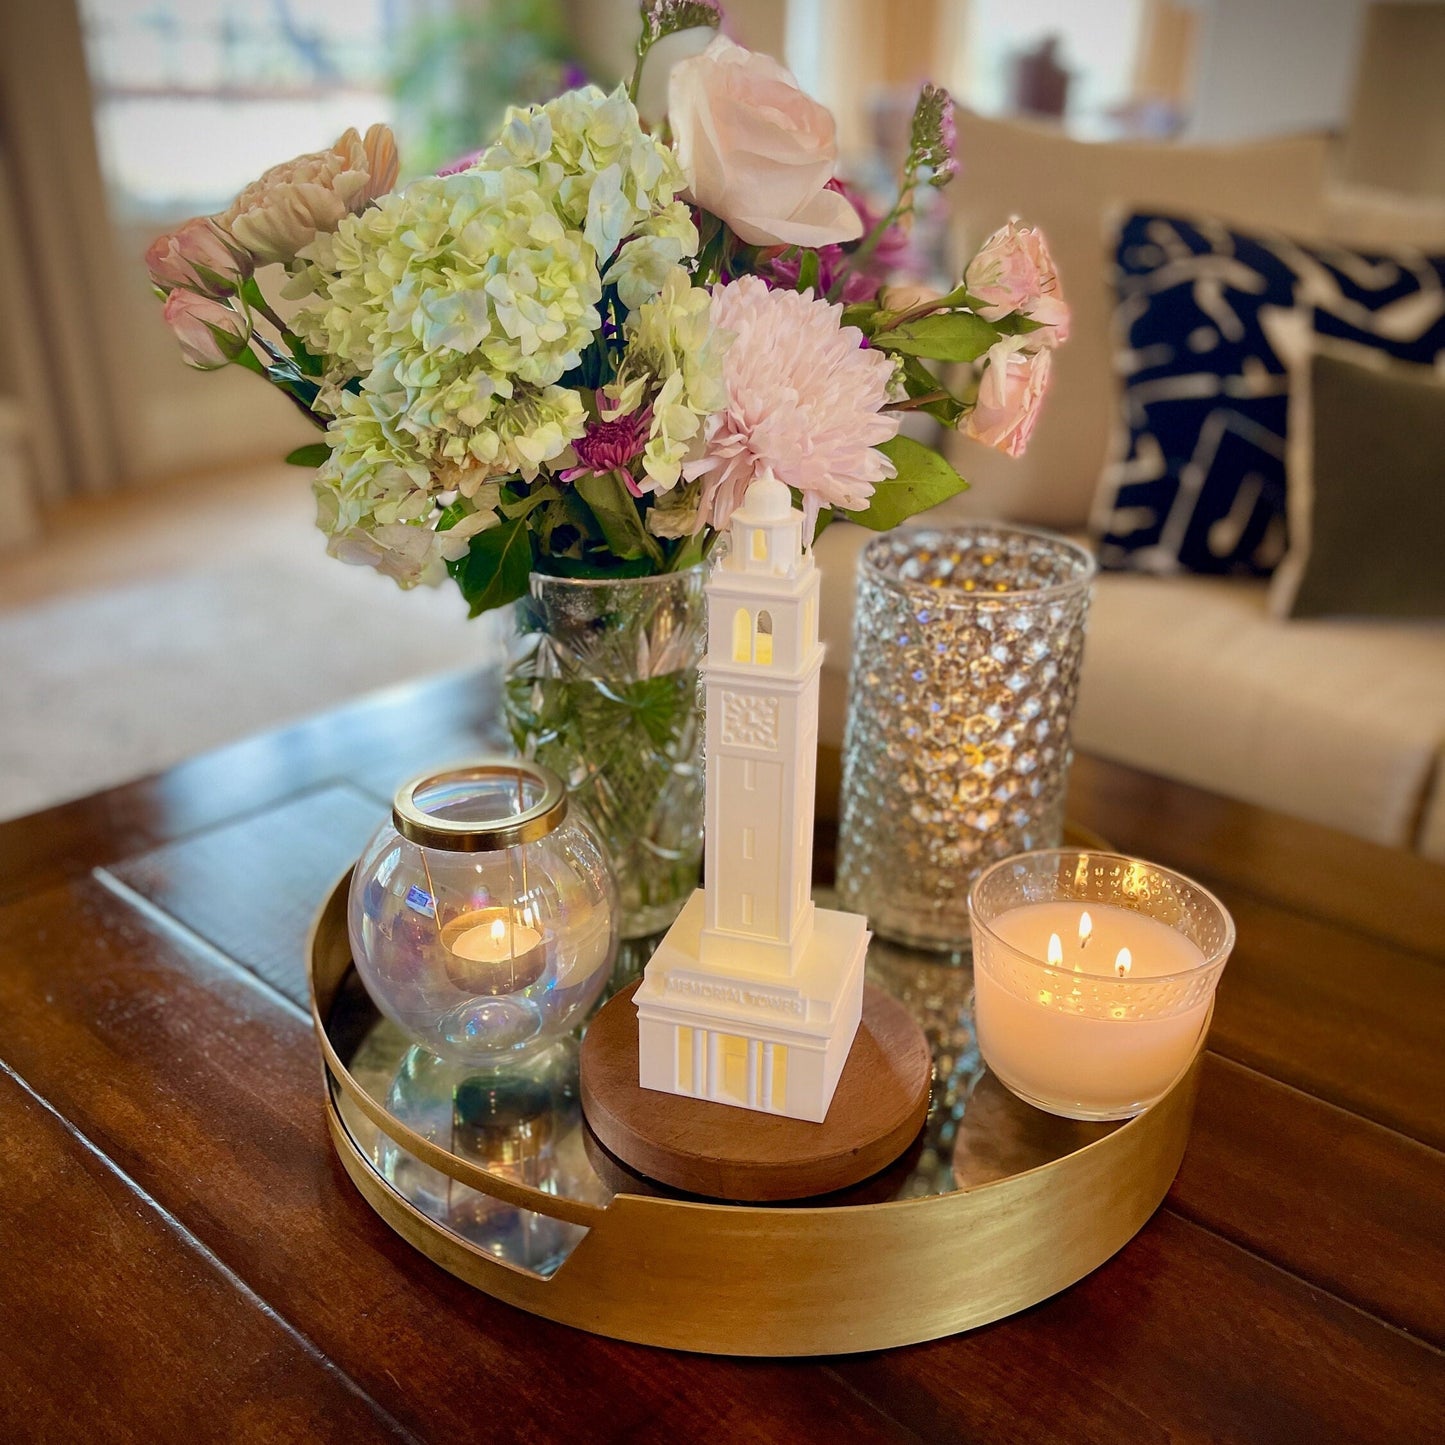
870,243
915,402
253,297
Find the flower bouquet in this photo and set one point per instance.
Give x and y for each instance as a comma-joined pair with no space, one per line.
551,371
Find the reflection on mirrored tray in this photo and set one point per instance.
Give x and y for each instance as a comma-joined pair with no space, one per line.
526,1124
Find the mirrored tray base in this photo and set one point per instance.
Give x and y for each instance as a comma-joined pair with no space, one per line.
496,1178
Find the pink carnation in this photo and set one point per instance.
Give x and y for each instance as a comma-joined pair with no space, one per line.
805,402
1010,393
211,334
198,256
1014,272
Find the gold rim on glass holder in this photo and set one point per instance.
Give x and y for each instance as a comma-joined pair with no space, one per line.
758,1280
458,835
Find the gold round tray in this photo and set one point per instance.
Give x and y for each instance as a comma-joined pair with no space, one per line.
996,1207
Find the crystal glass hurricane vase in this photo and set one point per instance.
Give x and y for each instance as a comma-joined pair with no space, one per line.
602,687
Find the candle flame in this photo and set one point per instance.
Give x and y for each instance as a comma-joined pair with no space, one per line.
499,930
1056,948
1124,962
1086,928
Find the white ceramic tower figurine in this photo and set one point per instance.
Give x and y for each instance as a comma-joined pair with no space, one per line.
754,996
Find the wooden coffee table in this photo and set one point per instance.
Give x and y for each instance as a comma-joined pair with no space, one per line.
181,1257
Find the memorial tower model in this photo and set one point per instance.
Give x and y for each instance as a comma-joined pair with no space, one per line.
754,995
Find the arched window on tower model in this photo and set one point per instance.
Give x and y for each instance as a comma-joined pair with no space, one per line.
742,636
763,640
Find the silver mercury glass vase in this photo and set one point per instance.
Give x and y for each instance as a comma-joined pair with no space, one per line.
966,650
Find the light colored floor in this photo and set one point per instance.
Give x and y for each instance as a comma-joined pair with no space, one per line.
151,626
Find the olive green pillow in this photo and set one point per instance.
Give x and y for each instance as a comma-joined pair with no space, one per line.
1366,485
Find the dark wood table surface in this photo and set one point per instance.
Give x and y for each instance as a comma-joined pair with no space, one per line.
181,1257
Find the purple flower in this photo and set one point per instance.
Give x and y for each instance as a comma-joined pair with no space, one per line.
611,444
893,253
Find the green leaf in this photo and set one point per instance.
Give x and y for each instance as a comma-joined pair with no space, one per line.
307,360
924,480
251,362
690,551
920,381
495,570
943,336
453,514
618,517
564,526
514,507
808,270
311,455
862,315
1017,324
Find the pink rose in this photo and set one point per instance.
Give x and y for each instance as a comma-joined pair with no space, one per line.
756,151
273,218
210,333
198,256
1009,394
1015,273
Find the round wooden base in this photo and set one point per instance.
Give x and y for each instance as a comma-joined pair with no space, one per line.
724,1152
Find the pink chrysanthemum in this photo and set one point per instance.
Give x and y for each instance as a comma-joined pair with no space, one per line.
805,401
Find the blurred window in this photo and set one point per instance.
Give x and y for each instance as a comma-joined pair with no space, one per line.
1095,43
195,98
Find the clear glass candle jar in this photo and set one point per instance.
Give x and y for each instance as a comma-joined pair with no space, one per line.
482,916
1093,978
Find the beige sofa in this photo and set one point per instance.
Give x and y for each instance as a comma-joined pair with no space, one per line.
1340,722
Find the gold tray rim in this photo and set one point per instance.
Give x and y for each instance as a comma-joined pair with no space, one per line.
747,1279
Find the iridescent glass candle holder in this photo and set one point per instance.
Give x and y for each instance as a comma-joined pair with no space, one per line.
966,650
483,916
1093,978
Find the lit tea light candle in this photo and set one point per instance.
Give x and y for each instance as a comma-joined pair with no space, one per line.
1098,1027
489,951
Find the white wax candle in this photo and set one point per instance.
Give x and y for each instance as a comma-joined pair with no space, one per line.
1074,1040
489,951
498,941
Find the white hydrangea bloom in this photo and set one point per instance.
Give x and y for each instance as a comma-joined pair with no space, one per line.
469,272
655,247
464,301
673,363
589,153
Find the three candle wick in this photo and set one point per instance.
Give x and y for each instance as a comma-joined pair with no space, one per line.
1123,960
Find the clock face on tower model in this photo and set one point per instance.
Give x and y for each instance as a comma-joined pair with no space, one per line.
749,721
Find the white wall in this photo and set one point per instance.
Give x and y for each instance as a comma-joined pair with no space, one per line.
1270,67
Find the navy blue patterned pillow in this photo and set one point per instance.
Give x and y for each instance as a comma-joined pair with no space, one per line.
1199,483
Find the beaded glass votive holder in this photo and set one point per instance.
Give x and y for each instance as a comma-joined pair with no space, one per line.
966,651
